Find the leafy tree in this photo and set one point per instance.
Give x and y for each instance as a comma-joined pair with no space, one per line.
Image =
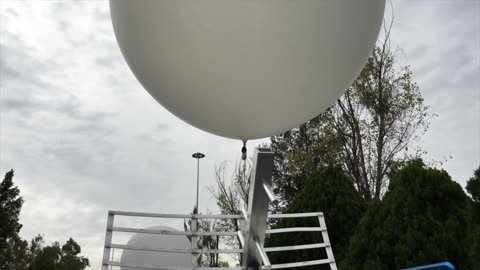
206,242
10,206
368,131
298,153
54,257
422,219
330,191
473,186
377,119
16,254
231,196
47,258
36,245
70,256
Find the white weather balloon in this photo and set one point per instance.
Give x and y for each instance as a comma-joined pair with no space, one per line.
157,241
246,69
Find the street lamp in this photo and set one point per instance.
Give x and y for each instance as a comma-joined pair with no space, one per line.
198,156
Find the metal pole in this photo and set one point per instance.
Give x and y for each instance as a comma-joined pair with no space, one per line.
198,156
108,241
198,180
194,224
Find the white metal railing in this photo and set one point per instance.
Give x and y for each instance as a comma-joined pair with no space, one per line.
109,246
326,242
251,237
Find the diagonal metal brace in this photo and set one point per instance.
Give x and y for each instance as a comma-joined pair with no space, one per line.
260,196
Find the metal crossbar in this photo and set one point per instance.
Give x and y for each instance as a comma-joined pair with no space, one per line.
297,247
169,250
158,267
174,216
251,237
167,232
299,264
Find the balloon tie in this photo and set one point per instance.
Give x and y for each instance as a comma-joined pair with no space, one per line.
244,150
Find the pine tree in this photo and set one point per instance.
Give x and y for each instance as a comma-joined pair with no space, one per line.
10,206
423,219
330,192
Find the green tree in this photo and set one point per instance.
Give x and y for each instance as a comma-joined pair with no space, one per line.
70,257
206,242
298,153
231,194
47,258
370,131
376,120
473,188
475,250
16,255
54,257
422,219
333,192
10,206
36,245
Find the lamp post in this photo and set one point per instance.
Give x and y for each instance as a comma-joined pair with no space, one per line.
198,156
193,226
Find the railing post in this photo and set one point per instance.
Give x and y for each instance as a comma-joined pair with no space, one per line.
326,240
258,201
108,241
193,229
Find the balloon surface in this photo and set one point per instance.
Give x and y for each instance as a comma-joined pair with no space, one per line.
246,69
157,241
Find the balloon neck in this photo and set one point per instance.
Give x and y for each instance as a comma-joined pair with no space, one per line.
244,150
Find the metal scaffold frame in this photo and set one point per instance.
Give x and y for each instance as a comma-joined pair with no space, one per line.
251,237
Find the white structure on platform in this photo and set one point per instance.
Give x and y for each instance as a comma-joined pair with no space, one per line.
143,249
251,237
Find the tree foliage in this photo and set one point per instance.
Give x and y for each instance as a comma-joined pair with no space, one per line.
16,253
473,186
38,256
422,219
368,131
10,206
54,257
207,242
70,258
332,192
231,194
298,153
378,118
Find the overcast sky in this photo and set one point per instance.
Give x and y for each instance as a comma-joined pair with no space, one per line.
84,137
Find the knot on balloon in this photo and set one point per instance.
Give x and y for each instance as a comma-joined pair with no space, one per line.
244,152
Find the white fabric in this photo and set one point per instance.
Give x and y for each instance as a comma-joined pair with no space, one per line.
156,241
246,69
